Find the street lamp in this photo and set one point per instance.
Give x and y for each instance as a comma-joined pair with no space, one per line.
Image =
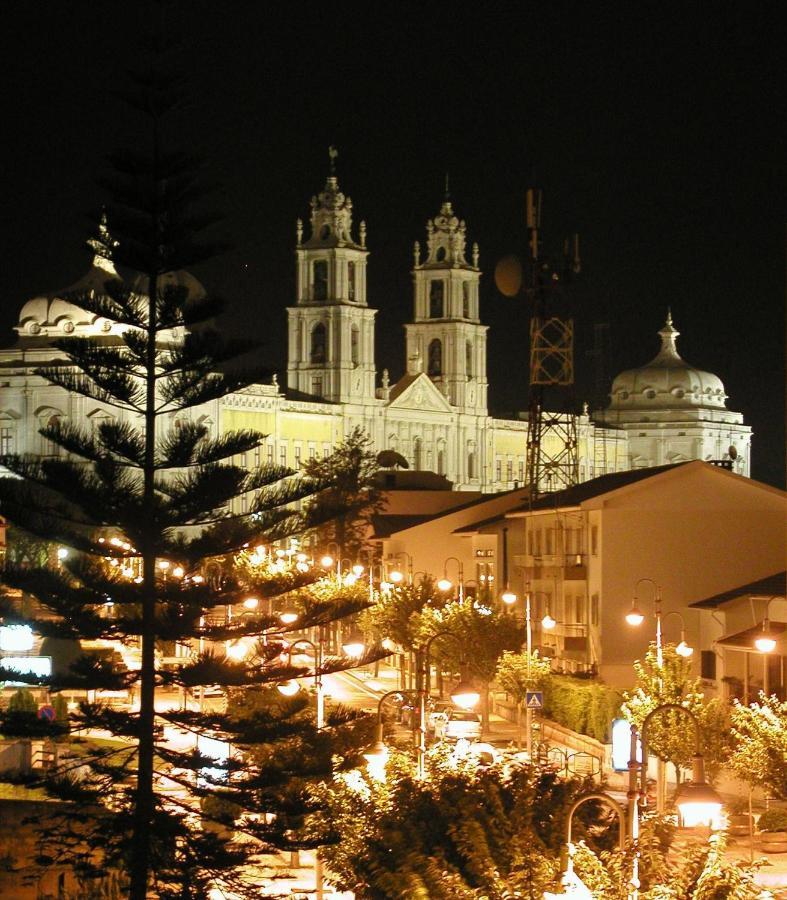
574,885
287,689
354,646
697,801
766,642
445,583
396,575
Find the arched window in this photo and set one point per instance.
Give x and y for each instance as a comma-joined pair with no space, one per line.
435,358
436,299
351,280
320,279
441,457
440,254
325,232
469,359
471,463
466,299
354,342
418,454
317,352
49,419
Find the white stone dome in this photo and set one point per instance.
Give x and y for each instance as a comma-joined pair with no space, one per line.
667,382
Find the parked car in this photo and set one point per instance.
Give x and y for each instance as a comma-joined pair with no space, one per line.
458,724
437,712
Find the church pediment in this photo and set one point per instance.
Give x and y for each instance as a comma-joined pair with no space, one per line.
417,392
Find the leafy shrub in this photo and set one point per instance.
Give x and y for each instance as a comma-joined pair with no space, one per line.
22,701
587,707
773,820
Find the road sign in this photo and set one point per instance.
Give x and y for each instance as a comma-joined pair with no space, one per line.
46,713
534,700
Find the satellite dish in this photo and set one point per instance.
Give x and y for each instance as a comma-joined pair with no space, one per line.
733,453
508,276
390,459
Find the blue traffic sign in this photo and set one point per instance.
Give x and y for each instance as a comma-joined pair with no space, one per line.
534,700
46,713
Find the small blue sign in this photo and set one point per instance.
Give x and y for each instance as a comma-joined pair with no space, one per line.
534,699
46,713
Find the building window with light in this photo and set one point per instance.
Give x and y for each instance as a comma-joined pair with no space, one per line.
436,289
283,454
270,452
317,387
509,470
297,456
320,280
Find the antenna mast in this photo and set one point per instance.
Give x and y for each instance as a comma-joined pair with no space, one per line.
552,444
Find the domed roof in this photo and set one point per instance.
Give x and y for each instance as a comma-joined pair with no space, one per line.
667,381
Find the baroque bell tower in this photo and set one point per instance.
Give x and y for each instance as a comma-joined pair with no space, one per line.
446,338
331,328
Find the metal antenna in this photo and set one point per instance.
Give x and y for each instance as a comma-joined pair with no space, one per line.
552,442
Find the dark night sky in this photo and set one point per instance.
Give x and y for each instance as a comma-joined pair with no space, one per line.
652,129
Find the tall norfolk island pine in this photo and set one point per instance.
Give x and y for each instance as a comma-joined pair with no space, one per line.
166,493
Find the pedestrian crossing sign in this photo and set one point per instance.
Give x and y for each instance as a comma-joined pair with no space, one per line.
534,700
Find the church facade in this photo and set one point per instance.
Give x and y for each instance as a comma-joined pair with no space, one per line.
435,415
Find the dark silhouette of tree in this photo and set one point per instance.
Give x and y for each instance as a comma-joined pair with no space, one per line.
144,502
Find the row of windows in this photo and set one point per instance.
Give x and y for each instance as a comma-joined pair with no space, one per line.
435,359
520,469
546,542
437,299
319,341
320,280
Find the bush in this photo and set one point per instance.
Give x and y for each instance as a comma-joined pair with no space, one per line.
587,707
773,820
22,701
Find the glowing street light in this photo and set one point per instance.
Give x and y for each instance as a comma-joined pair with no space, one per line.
288,688
288,616
354,646
508,597
251,603
465,696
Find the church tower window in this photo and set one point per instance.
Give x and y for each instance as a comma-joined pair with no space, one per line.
435,358
351,281
354,342
469,359
317,354
436,299
320,276
471,464
466,299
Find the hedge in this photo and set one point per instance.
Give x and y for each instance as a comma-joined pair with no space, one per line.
587,707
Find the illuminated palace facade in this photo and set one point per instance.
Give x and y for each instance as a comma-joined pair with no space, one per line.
435,415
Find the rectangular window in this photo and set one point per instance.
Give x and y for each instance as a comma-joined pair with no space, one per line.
580,609
594,540
351,281
297,456
594,609
708,664
436,299
257,457
326,451
320,275
521,471
317,387
312,450
282,454
510,470
549,541
498,469
6,440
537,542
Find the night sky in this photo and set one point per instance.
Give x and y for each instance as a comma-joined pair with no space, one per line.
652,129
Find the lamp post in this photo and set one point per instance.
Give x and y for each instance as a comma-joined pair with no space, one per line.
570,881
510,598
766,642
636,617
463,695
445,583
697,801
286,689
395,575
